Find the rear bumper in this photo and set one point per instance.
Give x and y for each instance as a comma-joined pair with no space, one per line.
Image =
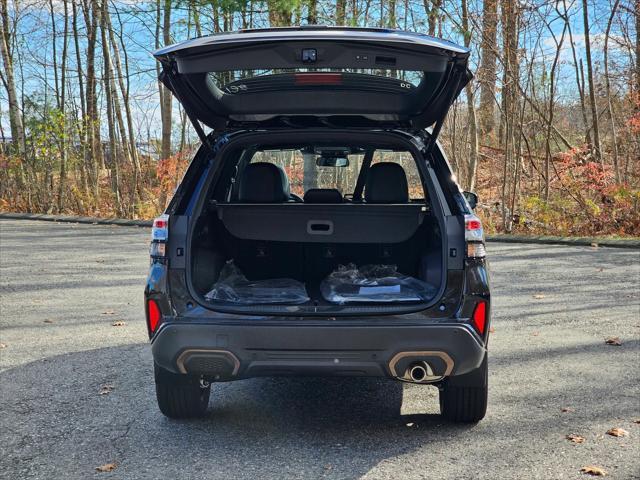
231,352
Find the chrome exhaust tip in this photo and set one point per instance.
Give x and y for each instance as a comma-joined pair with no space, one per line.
421,372
417,367
417,373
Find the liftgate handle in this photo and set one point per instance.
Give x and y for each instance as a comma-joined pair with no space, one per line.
320,227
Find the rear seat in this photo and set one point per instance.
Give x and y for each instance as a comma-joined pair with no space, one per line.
386,183
262,259
323,195
263,182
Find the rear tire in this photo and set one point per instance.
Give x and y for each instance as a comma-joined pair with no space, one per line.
463,399
180,396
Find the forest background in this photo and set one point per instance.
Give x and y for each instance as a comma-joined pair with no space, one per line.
547,133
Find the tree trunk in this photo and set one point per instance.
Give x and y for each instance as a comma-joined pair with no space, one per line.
592,91
614,139
472,164
109,94
15,115
312,13
341,11
124,91
166,105
552,99
432,9
280,13
81,125
580,85
63,90
510,85
487,71
92,14
637,15
392,23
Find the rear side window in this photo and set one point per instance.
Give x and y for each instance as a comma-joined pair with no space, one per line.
303,172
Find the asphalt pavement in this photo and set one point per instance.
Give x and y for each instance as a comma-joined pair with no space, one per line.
76,392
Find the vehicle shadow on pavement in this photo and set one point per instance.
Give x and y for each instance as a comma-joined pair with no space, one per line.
53,411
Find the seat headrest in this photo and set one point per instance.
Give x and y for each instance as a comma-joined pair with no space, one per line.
386,183
322,195
263,182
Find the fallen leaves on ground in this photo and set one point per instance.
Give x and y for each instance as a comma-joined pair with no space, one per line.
106,389
535,334
539,296
566,409
575,438
107,467
593,470
637,421
617,432
613,341
47,320
594,245
119,323
108,312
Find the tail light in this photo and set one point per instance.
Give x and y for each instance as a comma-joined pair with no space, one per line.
474,237
154,317
159,237
479,319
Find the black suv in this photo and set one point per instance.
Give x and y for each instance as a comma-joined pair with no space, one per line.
319,229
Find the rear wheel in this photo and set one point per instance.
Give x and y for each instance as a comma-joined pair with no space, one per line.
181,396
463,398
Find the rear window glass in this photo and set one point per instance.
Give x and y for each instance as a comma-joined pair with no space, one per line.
303,172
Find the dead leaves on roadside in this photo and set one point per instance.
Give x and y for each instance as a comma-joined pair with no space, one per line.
593,470
566,409
119,323
106,389
107,467
575,438
617,432
539,296
613,341
109,312
3,345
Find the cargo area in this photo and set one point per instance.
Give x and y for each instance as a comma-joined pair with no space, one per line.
313,262
323,222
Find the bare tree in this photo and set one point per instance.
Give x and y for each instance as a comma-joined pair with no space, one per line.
487,71
592,91
7,77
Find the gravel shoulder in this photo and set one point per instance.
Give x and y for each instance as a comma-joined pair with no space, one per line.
63,286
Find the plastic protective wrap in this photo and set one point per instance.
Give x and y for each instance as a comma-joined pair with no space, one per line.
374,284
233,287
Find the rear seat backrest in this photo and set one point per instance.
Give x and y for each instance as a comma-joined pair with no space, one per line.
386,183
263,182
323,195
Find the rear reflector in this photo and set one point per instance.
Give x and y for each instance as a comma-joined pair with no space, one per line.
479,319
154,317
318,79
